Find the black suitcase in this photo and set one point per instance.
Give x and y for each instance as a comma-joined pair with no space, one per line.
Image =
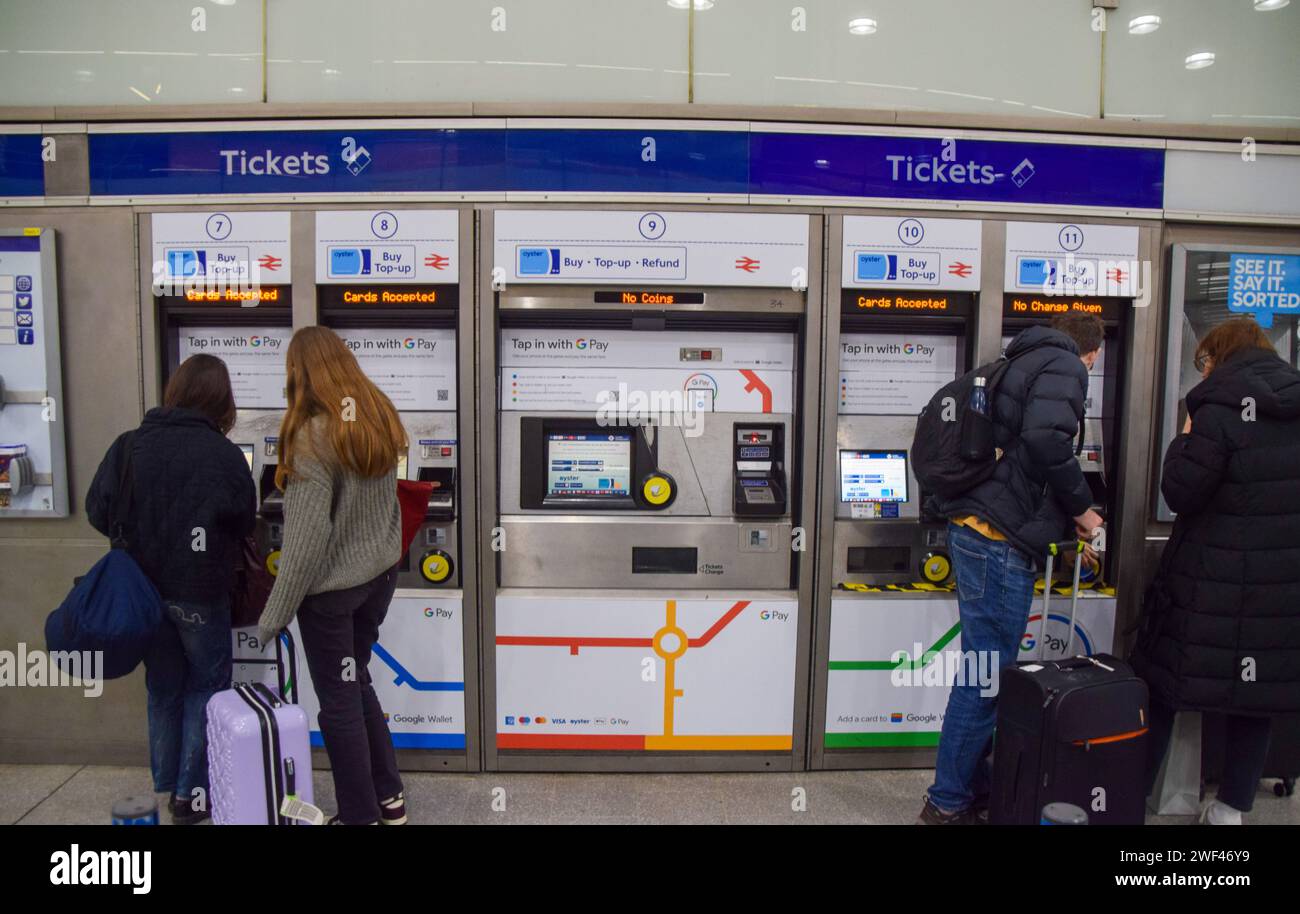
1070,731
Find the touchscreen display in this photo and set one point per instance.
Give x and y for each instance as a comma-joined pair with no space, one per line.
873,476
589,464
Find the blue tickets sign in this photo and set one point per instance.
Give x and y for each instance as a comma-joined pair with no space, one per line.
1263,285
932,168
296,161
22,173
645,160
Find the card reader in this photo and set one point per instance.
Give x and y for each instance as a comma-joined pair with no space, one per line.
758,461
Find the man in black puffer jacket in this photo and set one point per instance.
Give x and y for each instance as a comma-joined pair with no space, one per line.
1000,530
1221,622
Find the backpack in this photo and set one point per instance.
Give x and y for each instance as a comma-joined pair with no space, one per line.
953,450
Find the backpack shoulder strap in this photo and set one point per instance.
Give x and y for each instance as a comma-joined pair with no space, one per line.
123,506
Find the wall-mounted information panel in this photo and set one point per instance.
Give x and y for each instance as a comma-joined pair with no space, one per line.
33,460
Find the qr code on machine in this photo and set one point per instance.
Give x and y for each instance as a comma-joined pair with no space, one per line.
442,394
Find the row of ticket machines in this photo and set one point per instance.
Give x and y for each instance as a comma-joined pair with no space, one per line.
628,560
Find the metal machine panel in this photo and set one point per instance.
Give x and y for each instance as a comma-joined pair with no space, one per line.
598,552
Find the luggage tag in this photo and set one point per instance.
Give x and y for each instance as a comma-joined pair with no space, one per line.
298,810
294,808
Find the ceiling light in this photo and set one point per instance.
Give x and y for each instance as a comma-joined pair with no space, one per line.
1143,25
224,2
862,26
1263,6
1200,60
236,90
683,4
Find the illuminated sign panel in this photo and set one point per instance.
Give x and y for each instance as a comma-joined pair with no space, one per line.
644,297
387,296
1049,306
877,301
241,297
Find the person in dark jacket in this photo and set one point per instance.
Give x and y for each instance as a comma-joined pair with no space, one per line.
999,532
192,502
1221,623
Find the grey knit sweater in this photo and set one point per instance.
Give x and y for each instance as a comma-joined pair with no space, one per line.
340,529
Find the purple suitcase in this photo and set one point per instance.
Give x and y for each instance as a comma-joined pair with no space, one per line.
258,753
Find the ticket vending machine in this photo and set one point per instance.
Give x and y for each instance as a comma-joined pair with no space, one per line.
646,480
902,318
220,284
389,283
1060,268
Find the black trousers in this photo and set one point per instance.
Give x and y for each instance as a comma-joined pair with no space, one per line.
339,628
1246,743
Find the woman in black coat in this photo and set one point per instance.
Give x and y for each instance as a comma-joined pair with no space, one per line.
1221,630
191,503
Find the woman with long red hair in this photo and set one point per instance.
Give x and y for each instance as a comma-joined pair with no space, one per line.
339,446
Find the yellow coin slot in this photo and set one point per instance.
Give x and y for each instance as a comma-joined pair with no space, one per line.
273,562
657,490
936,568
436,567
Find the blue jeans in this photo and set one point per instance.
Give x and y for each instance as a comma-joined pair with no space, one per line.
995,590
187,663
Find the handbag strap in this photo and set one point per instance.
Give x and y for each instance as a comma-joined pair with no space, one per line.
123,503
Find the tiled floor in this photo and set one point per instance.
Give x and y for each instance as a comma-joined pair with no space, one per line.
71,794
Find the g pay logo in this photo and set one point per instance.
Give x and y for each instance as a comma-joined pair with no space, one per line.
408,343
428,612
909,348
256,340
580,342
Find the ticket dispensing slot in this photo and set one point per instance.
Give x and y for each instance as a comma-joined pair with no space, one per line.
442,500
759,470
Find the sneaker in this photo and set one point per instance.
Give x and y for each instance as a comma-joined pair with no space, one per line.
979,809
335,820
393,810
1217,812
184,813
933,815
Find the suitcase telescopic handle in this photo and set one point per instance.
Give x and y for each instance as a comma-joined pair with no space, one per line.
1053,550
